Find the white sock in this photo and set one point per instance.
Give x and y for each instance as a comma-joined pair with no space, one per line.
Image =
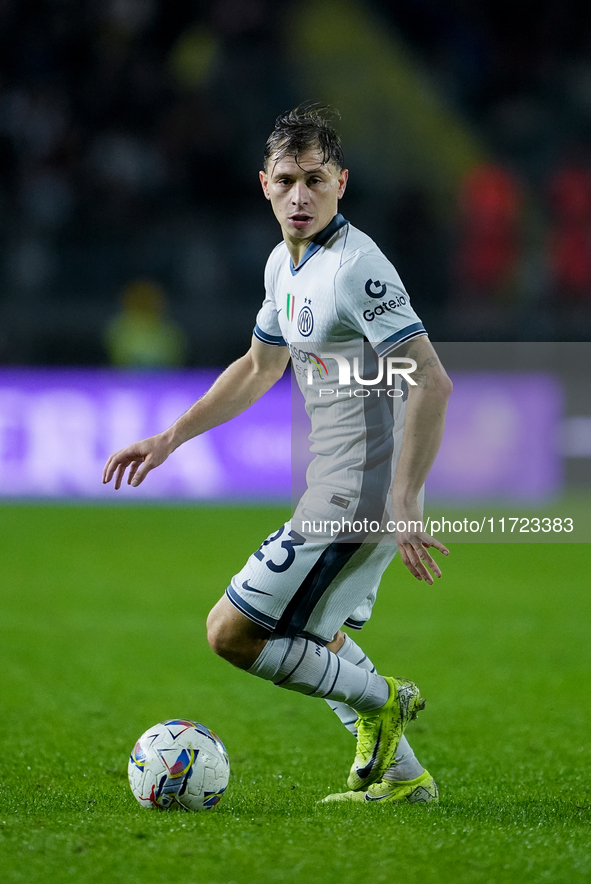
406,765
353,654
303,665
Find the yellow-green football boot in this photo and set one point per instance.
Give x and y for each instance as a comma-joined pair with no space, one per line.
378,733
422,790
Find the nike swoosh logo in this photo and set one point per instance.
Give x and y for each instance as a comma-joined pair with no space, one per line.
250,588
363,772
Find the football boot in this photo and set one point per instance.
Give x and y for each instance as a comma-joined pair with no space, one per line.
379,732
422,790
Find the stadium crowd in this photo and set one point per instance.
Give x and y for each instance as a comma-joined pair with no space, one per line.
129,133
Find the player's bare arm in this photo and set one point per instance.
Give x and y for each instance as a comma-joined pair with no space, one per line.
423,431
241,384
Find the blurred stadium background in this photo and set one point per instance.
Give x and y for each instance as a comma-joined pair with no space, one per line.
134,235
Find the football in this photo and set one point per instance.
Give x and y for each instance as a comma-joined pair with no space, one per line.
178,765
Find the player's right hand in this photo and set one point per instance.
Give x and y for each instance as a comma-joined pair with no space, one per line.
140,458
414,543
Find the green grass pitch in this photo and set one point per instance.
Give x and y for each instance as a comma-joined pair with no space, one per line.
102,635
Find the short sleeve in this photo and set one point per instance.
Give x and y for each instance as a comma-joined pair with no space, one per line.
372,301
267,327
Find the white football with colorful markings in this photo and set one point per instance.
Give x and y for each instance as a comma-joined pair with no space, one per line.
179,765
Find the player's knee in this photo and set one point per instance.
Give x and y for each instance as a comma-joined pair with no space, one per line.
217,634
224,641
232,636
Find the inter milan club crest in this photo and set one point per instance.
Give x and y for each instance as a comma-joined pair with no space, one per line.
305,322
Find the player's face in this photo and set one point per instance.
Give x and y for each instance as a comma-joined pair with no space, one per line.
304,195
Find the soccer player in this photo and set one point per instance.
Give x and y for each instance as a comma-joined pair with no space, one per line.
281,616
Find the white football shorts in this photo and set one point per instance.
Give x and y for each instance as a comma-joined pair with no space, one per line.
293,586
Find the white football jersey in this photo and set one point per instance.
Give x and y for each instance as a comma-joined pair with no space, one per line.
342,312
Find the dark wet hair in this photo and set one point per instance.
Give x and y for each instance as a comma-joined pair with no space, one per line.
305,127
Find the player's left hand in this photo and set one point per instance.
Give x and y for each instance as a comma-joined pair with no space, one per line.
414,543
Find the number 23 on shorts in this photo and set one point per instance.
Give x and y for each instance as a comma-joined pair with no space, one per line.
288,545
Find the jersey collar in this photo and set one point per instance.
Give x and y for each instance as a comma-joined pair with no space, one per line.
319,240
